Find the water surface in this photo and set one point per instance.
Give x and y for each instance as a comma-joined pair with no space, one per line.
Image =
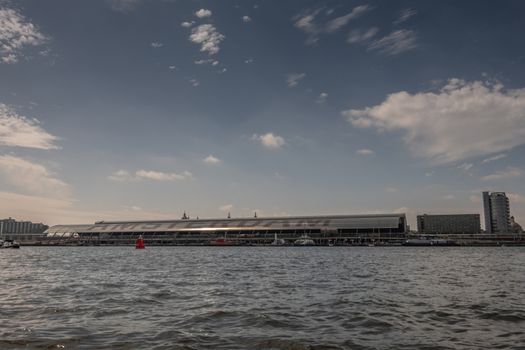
262,298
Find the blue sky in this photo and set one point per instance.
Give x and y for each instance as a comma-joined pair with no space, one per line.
143,109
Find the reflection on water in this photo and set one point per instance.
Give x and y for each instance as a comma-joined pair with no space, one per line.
262,298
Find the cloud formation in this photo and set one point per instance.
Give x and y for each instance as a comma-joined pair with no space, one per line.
186,24
493,158
460,121
211,160
246,19
293,79
365,152
203,13
508,173
395,43
405,15
321,98
360,35
16,33
19,131
31,178
156,44
269,140
306,22
124,175
208,37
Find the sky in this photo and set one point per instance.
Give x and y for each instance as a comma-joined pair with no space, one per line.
146,109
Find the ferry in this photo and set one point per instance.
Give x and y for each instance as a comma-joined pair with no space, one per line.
304,241
9,243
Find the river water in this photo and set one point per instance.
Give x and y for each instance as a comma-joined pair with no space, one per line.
262,298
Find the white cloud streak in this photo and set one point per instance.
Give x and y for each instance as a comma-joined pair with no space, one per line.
459,121
16,33
293,79
156,45
321,98
493,158
208,37
405,15
306,22
246,19
19,131
124,176
269,140
508,173
395,43
360,35
365,152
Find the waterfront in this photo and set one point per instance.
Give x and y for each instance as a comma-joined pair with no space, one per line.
262,298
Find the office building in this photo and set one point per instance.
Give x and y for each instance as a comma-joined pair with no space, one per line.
497,212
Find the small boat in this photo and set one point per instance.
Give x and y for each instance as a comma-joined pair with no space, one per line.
304,241
278,241
9,243
139,244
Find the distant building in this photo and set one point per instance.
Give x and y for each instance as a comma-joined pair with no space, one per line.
455,223
21,230
497,212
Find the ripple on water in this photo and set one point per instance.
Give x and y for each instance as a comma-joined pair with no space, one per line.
250,298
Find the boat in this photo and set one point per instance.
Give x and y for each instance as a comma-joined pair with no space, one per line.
304,241
278,241
424,242
9,243
139,244
222,241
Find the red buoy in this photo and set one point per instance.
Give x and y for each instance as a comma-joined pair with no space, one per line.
139,244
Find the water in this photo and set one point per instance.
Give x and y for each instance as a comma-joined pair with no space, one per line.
262,298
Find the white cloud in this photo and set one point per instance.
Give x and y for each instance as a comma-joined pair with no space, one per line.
269,140
172,67
186,24
405,15
156,44
365,152
339,22
465,166
211,160
226,207
321,98
395,43
246,19
203,13
361,35
31,178
124,175
208,61
248,61
392,189
516,198
491,159
306,22
508,173
19,131
293,79
194,82
449,197
460,121
208,37
16,33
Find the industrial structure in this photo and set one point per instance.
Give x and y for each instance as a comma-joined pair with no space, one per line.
444,224
497,212
323,230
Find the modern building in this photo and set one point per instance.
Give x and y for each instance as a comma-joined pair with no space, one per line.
342,228
497,212
451,224
21,230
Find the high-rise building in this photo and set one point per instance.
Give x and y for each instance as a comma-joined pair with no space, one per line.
497,212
